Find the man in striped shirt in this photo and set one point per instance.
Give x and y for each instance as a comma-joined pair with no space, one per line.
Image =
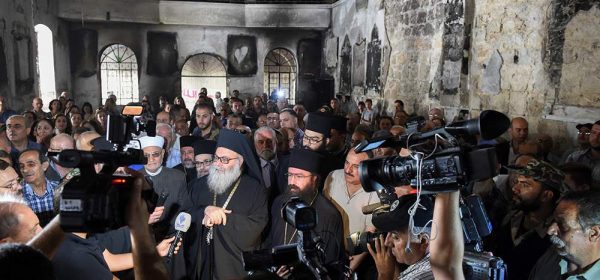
38,190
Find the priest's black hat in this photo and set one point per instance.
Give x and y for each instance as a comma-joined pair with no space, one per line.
187,141
398,218
202,146
339,123
319,122
238,143
306,160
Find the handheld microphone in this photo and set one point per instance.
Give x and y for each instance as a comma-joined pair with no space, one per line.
182,224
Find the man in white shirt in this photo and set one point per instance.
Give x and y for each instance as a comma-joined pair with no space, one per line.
343,188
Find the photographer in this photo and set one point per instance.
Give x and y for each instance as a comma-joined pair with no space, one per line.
435,256
303,182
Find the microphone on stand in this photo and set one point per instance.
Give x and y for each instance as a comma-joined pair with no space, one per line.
182,224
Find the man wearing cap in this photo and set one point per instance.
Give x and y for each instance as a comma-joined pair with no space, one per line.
230,211
165,181
344,189
187,165
590,157
303,181
204,150
521,239
408,245
318,131
583,137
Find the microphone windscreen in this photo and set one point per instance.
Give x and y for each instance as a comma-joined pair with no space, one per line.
183,221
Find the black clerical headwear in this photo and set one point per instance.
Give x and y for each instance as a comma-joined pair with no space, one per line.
306,160
398,217
202,146
319,122
339,123
238,143
187,141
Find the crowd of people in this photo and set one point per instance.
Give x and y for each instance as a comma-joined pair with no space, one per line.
233,164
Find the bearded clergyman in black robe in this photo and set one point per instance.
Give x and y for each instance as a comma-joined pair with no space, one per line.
230,211
303,178
187,165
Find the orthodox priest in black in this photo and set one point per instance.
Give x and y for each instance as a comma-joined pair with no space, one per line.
187,165
230,211
303,177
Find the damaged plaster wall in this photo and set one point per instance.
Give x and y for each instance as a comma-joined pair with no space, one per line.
549,67
426,39
19,81
363,23
191,40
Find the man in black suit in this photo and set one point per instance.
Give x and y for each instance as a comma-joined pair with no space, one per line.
273,165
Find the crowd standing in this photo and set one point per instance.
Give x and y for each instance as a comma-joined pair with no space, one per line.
233,164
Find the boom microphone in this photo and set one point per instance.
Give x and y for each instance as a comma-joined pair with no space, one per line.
182,224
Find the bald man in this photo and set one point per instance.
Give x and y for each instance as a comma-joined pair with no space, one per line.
58,143
84,142
519,132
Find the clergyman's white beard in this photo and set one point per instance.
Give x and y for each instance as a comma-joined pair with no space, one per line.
220,181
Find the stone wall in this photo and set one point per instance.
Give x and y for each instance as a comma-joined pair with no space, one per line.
537,59
18,73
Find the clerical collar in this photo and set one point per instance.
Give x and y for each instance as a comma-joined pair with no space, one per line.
153,173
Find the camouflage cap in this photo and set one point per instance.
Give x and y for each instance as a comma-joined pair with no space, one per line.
542,172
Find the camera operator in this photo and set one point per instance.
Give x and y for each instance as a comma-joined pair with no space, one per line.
446,247
303,181
409,246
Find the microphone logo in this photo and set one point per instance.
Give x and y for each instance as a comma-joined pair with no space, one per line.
183,221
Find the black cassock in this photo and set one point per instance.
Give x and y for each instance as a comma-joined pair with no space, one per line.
329,228
223,258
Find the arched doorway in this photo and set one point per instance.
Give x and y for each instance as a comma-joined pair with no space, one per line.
202,71
280,75
119,74
45,63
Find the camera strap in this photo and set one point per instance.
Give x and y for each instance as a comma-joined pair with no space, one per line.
209,235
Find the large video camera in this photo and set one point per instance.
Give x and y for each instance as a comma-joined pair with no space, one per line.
309,249
96,202
449,165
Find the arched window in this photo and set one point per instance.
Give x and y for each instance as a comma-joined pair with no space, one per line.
280,74
202,71
119,74
45,63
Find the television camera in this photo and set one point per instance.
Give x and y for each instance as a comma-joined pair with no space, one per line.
440,161
308,250
96,202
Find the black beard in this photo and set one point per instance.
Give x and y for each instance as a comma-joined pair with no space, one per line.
529,206
307,194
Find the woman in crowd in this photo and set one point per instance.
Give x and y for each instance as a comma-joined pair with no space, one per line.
62,124
42,132
68,106
76,119
87,111
100,119
55,107
179,101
